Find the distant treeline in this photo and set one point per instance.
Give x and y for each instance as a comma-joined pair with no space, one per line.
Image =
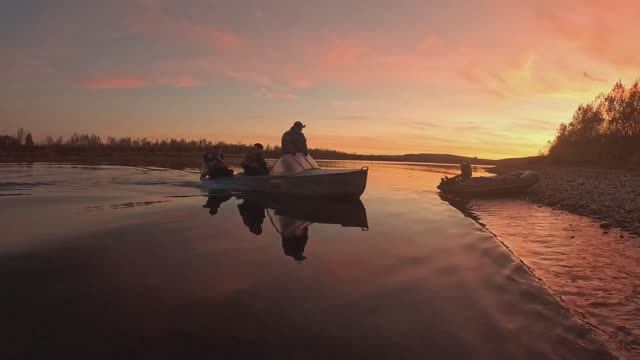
605,131
85,147
90,143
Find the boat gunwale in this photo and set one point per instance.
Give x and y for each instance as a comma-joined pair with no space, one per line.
298,174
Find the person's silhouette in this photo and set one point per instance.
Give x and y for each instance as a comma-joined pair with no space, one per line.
293,245
295,234
252,216
214,202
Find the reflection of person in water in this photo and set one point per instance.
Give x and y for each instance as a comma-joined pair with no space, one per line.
214,201
252,216
295,234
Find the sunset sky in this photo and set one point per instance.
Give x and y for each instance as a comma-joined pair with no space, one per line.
487,78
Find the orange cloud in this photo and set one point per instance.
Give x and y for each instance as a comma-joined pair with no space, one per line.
602,30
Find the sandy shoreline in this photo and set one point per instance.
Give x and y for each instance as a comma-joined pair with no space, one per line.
610,196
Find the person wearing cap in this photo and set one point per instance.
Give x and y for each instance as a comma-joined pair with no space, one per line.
293,141
213,166
253,162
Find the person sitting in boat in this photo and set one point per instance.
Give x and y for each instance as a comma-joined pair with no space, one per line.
253,162
465,170
214,166
293,141
466,173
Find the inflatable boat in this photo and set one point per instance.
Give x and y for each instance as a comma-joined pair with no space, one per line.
507,184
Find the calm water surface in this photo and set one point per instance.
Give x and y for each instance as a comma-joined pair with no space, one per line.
105,261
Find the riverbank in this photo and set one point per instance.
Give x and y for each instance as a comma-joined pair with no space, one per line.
610,196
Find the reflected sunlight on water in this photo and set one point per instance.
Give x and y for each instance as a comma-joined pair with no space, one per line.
137,261
595,273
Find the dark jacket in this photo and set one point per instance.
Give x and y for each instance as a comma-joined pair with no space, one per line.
254,158
215,167
254,164
293,141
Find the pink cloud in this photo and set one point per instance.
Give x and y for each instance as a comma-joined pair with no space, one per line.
351,59
114,82
514,57
270,93
428,43
249,77
155,23
182,81
102,82
299,81
207,35
342,52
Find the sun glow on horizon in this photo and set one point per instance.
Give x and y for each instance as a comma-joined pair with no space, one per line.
486,78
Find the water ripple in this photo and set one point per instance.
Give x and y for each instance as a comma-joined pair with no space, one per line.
594,273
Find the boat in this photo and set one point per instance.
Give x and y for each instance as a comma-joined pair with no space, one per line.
299,175
500,185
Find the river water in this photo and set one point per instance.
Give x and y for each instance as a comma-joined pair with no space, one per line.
108,261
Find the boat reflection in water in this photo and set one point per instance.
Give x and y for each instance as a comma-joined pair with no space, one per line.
463,204
291,216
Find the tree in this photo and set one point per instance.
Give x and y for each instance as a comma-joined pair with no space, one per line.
28,141
604,130
20,136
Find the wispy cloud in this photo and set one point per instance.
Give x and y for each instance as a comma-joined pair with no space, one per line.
278,94
114,82
120,81
600,30
154,22
354,117
417,125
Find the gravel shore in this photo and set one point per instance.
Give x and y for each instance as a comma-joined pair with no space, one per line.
610,196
